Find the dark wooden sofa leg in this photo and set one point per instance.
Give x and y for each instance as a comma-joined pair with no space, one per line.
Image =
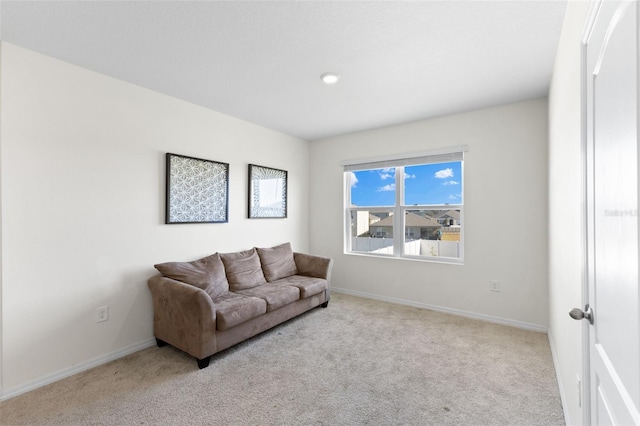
325,304
160,343
204,362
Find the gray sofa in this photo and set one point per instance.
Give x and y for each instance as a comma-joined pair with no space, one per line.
206,306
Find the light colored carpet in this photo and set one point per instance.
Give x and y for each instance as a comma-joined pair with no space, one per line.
358,362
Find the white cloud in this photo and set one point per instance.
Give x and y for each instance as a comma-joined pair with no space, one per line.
455,196
387,173
353,180
451,182
408,176
390,187
444,173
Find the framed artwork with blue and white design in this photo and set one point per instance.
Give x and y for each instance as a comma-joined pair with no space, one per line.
197,190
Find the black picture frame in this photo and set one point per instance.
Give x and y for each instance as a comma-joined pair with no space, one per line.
197,190
268,190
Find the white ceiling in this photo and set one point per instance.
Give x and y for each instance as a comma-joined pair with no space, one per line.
261,61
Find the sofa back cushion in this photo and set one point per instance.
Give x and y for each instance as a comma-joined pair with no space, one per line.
206,273
277,262
243,269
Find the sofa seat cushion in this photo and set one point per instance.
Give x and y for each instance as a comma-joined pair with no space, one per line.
276,296
308,286
243,269
206,273
277,262
233,309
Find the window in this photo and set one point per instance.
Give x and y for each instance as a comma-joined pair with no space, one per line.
409,207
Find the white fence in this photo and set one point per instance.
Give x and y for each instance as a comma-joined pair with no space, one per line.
378,245
430,248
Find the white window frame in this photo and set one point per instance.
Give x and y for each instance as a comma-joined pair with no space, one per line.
399,162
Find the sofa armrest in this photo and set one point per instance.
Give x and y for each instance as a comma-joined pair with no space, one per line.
313,266
183,316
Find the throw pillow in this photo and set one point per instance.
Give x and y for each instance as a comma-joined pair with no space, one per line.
206,273
277,262
243,269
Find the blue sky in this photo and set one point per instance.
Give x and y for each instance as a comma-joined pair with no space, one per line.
439,183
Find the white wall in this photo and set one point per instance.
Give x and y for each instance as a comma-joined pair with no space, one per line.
505,215
565,210
82,188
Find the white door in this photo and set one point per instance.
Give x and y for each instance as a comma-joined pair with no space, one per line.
611,118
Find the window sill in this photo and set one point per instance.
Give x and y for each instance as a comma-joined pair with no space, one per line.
441,260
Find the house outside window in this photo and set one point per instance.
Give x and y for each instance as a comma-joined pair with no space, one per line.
406,207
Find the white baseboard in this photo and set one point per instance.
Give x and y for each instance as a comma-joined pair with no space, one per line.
472,315
79,368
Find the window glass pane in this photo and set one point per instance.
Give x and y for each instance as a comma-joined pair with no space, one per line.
372,232
375,187
439,183
432,233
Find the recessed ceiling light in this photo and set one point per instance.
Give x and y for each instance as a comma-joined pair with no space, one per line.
330,78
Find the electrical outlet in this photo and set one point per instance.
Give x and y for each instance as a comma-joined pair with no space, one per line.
494,285
102,313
